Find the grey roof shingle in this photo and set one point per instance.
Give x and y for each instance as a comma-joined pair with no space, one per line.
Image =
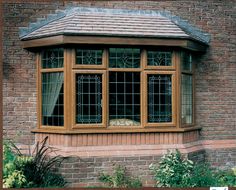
113,22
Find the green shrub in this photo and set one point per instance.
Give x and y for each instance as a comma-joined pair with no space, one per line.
227,178
173,170
34,170
120,179
203,176
12,175
15,179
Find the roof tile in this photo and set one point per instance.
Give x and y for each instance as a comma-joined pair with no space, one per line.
114,22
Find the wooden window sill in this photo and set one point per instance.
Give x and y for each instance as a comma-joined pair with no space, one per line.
115,130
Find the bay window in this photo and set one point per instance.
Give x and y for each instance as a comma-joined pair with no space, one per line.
115,88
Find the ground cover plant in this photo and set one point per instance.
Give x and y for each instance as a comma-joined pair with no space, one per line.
120,179
32,170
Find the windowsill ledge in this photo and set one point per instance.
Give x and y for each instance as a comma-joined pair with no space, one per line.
115,130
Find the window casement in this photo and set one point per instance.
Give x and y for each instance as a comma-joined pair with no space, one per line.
88,89
187,90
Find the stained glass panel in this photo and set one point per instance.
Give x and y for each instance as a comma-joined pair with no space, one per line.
159,98
124,58
52,99
159,58
186,64
52,58
187,99
124,98
89,56
88,98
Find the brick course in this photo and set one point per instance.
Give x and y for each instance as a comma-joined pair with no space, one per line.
215,83
82,172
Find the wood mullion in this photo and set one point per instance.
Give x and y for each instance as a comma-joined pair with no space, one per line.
68,57
39,89
143,91
52,70
106,101
177,60
193,95
125,69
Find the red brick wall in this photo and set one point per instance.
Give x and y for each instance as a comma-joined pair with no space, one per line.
215,73
85,171
19,82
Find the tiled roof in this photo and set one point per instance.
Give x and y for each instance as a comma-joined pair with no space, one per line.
113,22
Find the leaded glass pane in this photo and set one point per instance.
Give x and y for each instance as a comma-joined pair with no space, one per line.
124,58
88,98
89,56
187,98
52,99
52,58
186,62
159,58
159,98
124,98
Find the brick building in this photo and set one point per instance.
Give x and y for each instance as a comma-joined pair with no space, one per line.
110,122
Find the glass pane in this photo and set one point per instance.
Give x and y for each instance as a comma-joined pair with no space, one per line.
187,99
52,58
88,98
159,98
89,56
124,58
52,99
186,62
159,58
124,98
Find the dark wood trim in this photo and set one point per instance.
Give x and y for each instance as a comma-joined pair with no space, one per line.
48,41
104,40
194,46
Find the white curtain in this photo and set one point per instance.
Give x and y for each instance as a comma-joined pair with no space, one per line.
51,89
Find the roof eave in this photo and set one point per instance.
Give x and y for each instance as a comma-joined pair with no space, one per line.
184,42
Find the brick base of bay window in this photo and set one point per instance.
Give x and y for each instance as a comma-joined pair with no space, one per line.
84,172
91,156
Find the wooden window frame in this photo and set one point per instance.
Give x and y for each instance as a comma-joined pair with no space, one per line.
151,67
173,99
102,66
191,73
70,70
141,99
39,92
104,95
